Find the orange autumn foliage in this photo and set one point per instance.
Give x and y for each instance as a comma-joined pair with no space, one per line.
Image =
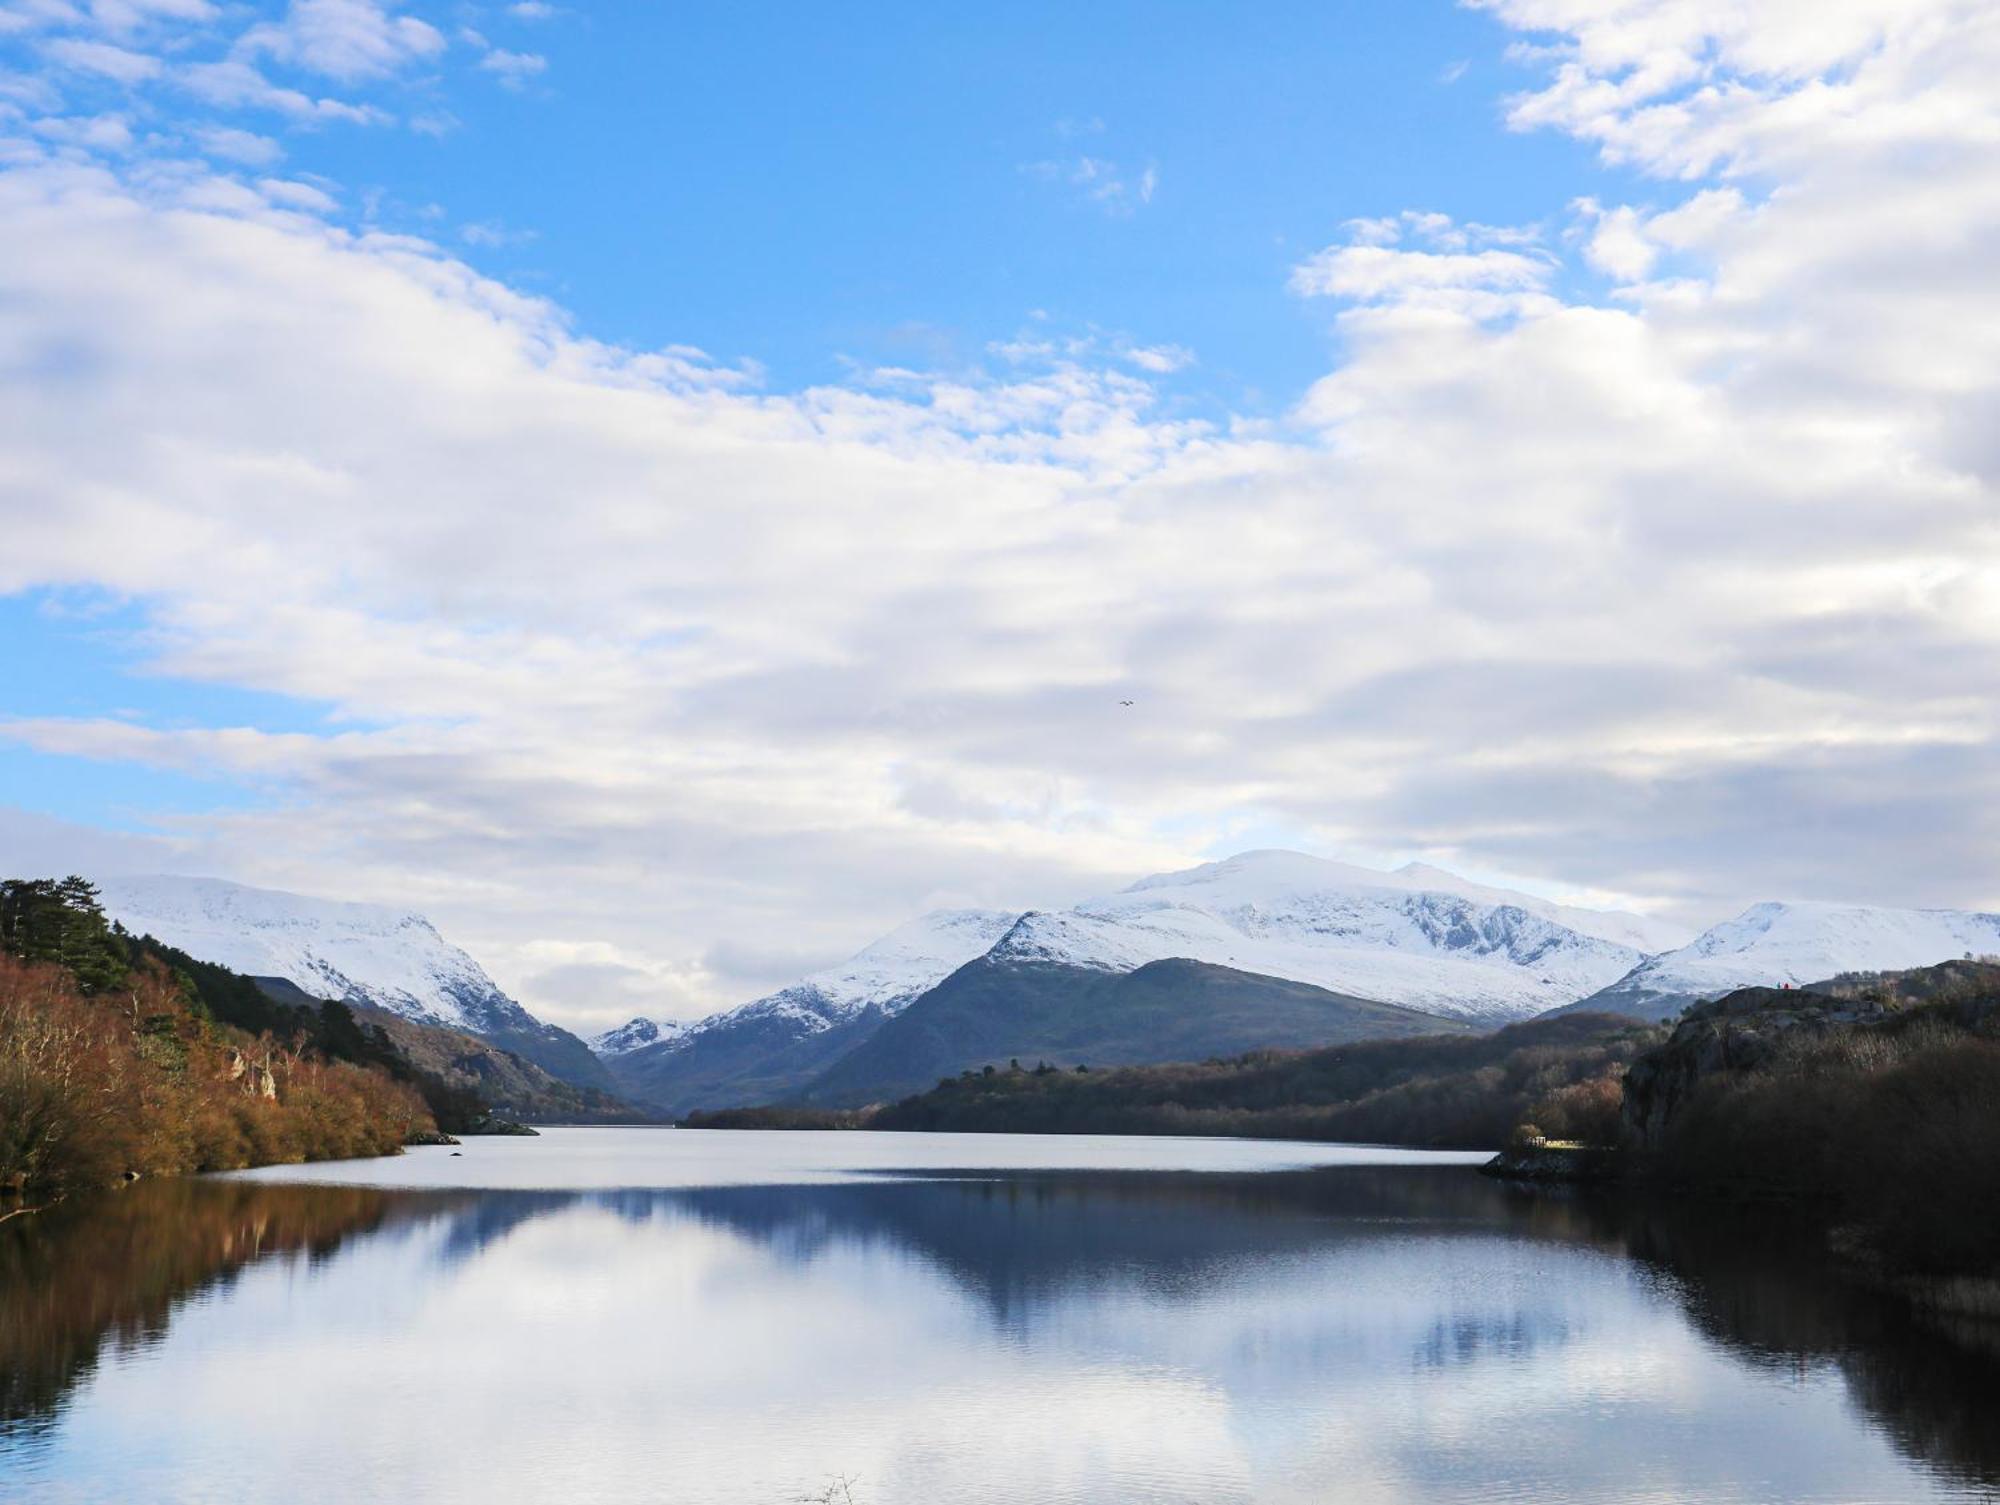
137,1079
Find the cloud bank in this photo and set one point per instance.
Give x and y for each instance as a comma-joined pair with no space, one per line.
1654,553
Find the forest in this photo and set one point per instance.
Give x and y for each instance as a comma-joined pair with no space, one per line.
120,1058
1870,1103
1433,1091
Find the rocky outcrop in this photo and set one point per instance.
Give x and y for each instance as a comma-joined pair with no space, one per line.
1744,1031
499,1078
256,1076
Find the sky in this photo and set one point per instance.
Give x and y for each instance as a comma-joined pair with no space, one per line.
672,490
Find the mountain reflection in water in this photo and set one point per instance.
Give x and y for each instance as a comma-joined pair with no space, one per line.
1393,1333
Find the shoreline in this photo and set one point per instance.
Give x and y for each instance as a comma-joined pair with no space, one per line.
1956,1296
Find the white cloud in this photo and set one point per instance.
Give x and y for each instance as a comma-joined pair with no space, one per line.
346,40
491,235
1115,189
1689,597
1472,269
1618,244
235,84
119,63
121,17
110,133
513,68
1158,360
292,194
1684,87
233,145
1372,272
1043,347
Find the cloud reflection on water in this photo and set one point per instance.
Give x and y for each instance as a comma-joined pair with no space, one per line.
1386,1333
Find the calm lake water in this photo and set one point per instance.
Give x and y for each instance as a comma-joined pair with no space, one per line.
633,1315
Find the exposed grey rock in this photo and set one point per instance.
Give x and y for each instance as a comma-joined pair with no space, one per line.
1740,1032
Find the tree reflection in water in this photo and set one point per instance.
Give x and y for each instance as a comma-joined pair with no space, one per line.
112,1269
111,1273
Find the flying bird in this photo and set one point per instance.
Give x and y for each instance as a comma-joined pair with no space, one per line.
1124,702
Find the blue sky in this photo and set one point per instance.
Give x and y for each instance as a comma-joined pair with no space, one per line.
671,490
807,186
796,184
812,188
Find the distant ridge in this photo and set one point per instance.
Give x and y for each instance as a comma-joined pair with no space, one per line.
1796,942
772,1046
993,1011
634,1034
391,959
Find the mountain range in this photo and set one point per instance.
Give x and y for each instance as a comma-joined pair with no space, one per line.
1362,950
1265,949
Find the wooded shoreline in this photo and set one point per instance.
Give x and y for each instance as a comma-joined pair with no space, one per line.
1869,1105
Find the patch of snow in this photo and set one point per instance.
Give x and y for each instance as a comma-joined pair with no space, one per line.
1642,933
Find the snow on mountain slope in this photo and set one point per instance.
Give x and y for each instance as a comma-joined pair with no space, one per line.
1797,942
1640,932
635,1034
886,975
1404,938
332,949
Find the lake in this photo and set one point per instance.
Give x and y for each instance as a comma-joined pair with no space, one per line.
677,1317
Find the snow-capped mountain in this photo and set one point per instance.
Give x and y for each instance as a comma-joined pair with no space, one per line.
330,948
635,1034
1419,937
883,976
759,1051
1796,942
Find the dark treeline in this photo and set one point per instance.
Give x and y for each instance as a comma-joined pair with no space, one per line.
1443,1091
120,1056
1869,1105
1871,1102
781,1117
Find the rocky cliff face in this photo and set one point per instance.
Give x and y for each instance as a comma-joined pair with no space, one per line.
1744,1031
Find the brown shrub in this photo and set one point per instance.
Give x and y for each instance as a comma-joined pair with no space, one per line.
132,1079
1587,1112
